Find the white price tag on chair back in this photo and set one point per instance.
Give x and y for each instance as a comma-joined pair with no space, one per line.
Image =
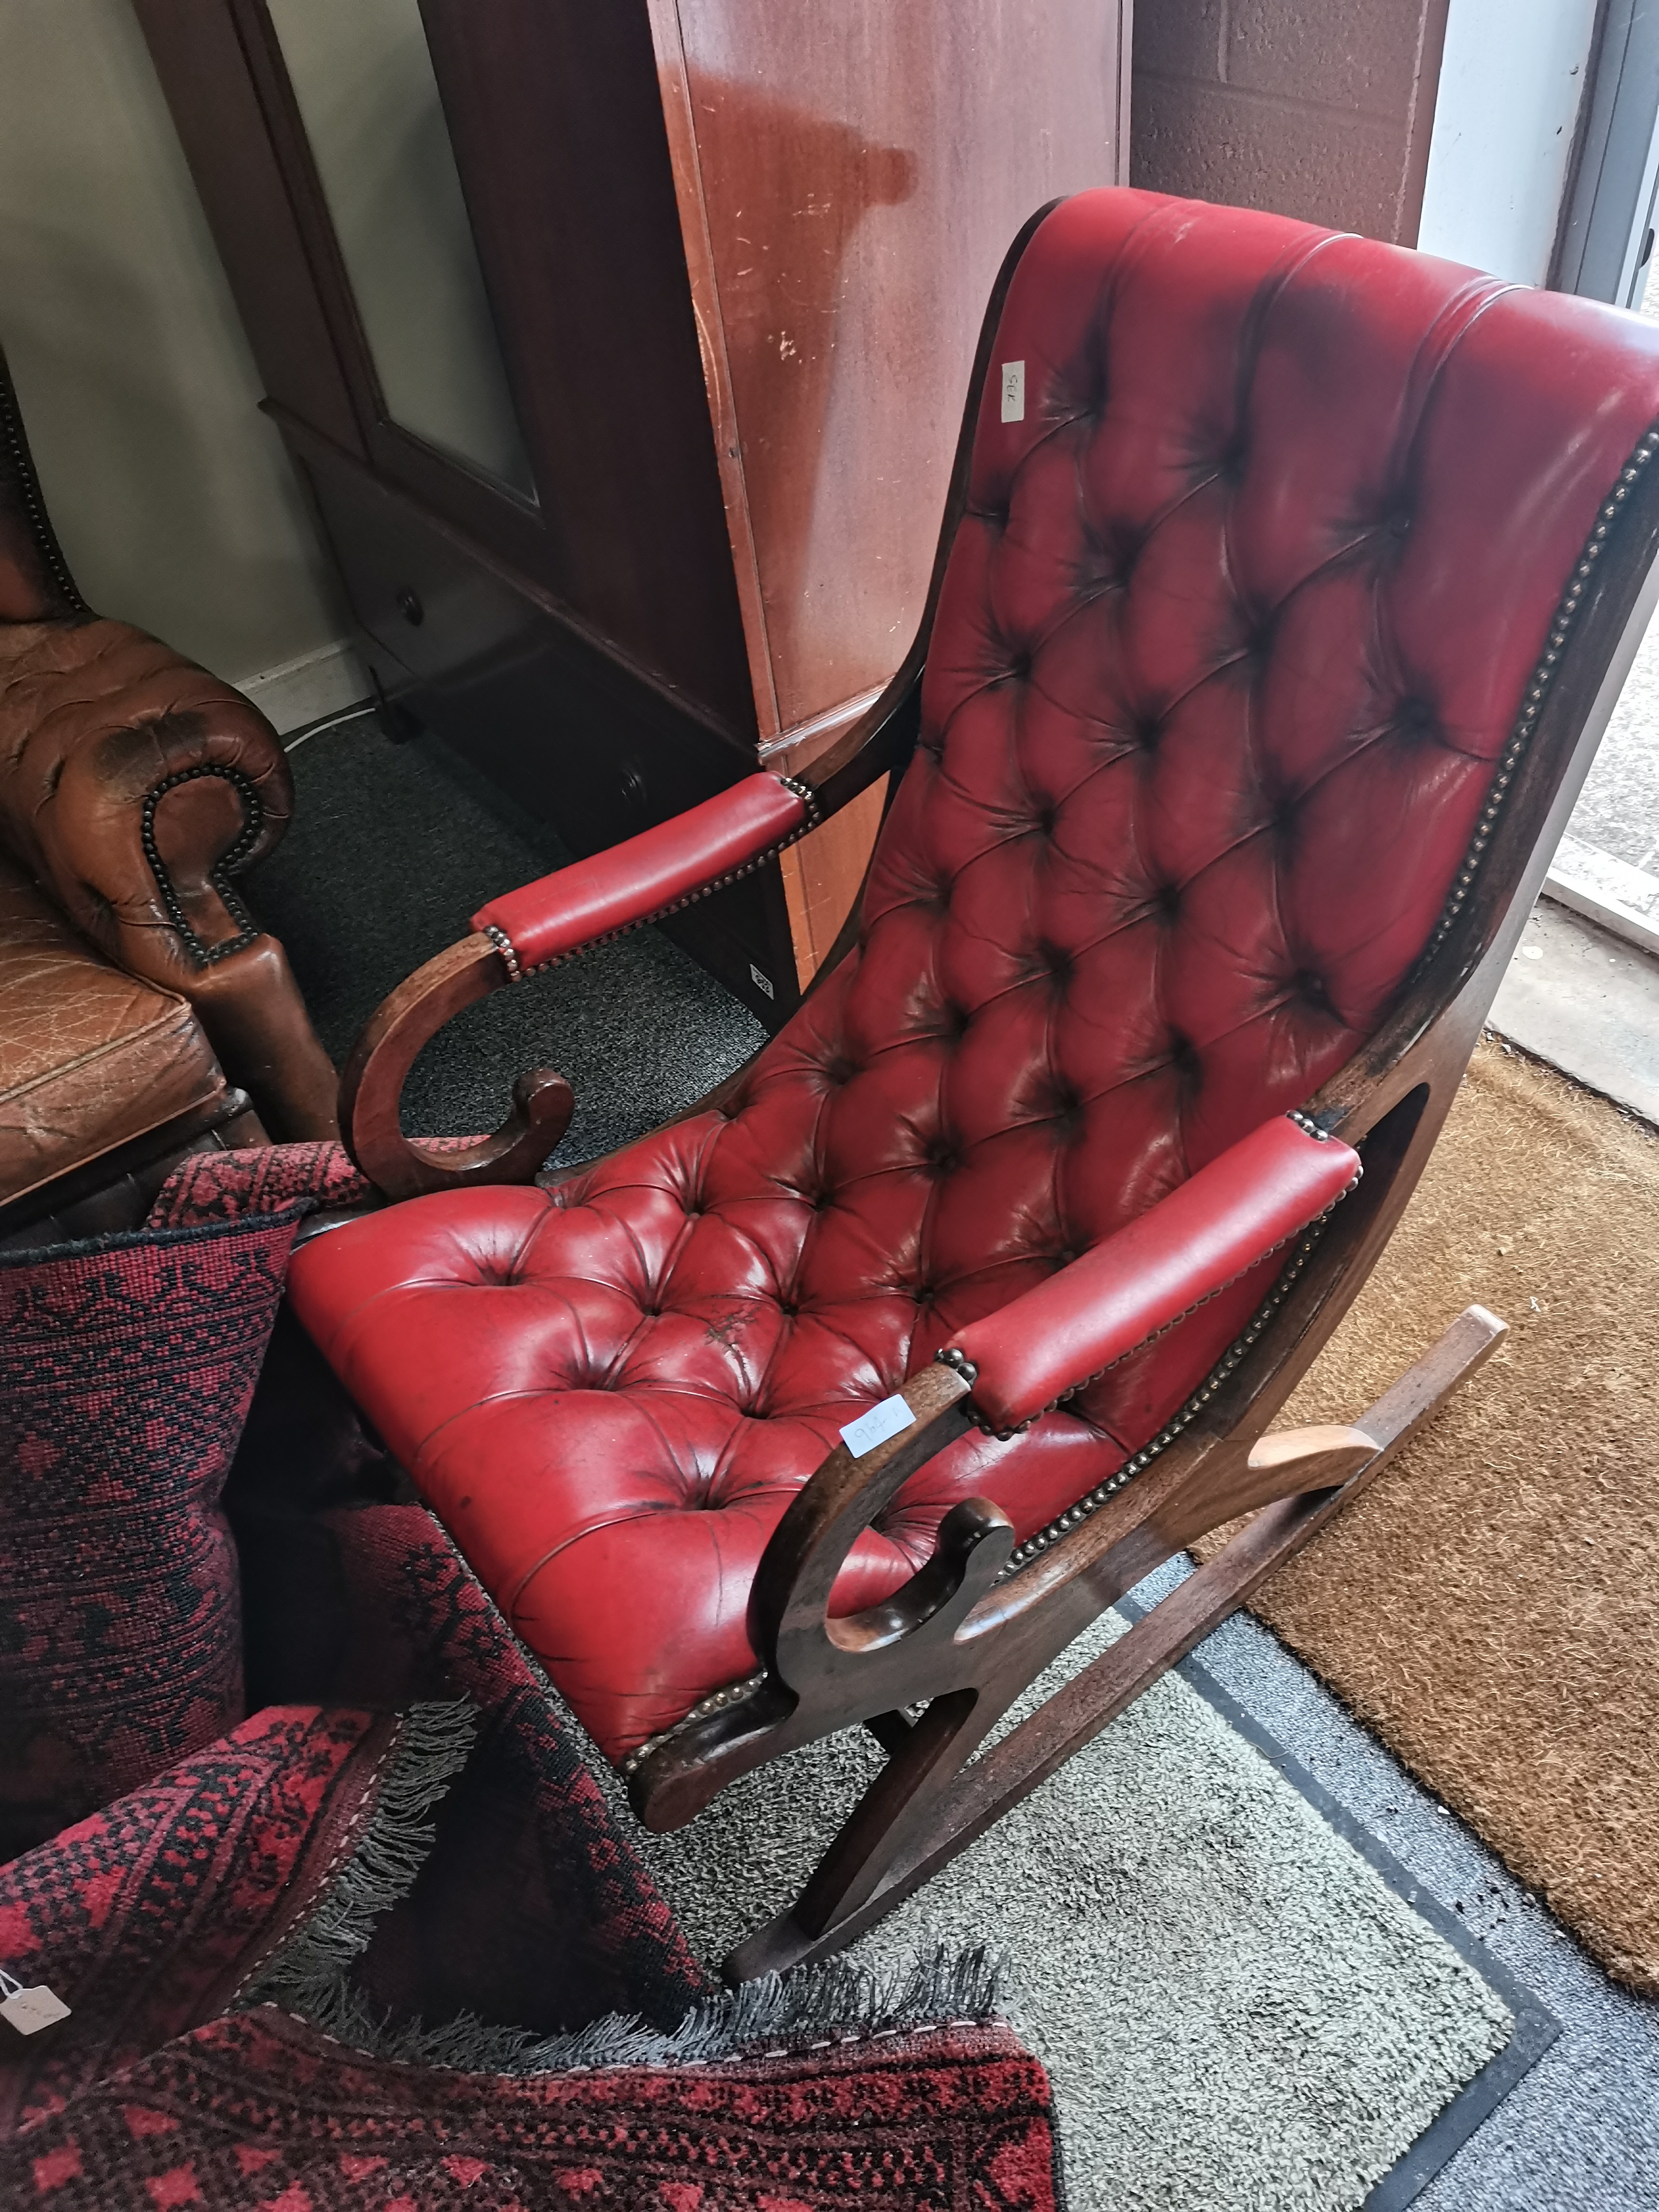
874,1428
29,2010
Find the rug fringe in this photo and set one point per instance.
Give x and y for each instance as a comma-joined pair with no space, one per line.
307,1974
811,2007
833,2002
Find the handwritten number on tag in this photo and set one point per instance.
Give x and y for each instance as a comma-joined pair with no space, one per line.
887,1420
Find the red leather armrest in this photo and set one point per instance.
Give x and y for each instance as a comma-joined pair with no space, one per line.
1257,1194
646,875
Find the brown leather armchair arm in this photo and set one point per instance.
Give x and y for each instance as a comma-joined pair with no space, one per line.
133,785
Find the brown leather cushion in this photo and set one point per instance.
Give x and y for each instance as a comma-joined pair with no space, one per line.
89,1057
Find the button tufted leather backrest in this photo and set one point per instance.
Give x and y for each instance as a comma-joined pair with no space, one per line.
1239,616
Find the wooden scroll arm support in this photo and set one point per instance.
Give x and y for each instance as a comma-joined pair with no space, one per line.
789,1618
949,1627
912,1636
371,1089
551,919
1021,1358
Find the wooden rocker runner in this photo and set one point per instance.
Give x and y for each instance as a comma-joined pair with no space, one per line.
1284,585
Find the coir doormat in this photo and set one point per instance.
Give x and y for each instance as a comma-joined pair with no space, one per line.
1491,1606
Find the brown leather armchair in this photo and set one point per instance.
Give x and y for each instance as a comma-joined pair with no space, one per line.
135,989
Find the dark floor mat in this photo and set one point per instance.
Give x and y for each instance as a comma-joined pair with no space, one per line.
392,849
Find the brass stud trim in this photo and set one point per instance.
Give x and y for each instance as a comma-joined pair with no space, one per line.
207,956
809,799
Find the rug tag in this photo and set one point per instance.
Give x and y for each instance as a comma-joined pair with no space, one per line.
30,2010
887,1420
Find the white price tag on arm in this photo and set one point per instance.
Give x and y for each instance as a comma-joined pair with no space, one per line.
30,2010
873,1428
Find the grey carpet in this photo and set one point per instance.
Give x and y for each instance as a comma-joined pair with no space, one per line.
390,851
1581,2132
1237,2014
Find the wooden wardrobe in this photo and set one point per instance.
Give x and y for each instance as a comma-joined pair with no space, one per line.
621,349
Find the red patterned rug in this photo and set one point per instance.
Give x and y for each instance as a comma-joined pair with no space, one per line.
147,1918
126,1367
530,1907
260,2110
349,1958
383,1946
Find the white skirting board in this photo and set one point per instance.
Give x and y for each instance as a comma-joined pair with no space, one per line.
302,691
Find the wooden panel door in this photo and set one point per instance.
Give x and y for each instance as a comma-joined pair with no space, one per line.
849,179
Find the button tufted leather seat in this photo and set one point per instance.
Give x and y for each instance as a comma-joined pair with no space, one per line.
1231,638
90,1058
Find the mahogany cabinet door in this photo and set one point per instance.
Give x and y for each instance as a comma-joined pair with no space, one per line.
849,178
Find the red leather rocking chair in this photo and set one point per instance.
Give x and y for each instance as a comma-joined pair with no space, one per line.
1285,584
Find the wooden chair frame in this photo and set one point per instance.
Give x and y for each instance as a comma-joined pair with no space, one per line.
932,1670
